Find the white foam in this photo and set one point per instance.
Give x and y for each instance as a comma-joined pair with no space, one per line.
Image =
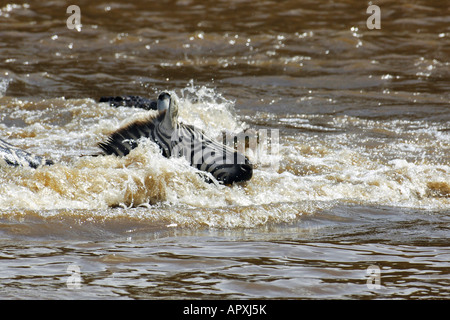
4,83
314,172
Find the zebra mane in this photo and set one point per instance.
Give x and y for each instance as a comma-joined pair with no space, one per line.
122,141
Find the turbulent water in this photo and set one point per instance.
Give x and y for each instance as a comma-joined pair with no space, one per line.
359,179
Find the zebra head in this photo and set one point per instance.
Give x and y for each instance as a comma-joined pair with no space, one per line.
224,163
176,139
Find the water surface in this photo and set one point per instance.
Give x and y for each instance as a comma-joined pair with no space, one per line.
361,178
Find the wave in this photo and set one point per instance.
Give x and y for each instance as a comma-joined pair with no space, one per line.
315,170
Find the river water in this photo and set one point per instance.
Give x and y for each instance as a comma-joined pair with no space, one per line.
353,203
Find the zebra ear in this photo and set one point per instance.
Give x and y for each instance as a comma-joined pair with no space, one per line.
173,110
163,102
170,119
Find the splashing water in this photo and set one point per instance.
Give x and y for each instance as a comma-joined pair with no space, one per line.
315,172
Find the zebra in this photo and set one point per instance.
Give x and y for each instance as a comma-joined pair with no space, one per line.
130,101
176,139
13,156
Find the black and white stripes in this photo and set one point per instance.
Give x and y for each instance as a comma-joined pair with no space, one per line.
180,140
13,156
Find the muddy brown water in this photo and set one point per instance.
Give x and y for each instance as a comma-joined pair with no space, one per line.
360,182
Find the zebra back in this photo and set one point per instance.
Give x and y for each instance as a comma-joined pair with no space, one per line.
122,141
13,156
